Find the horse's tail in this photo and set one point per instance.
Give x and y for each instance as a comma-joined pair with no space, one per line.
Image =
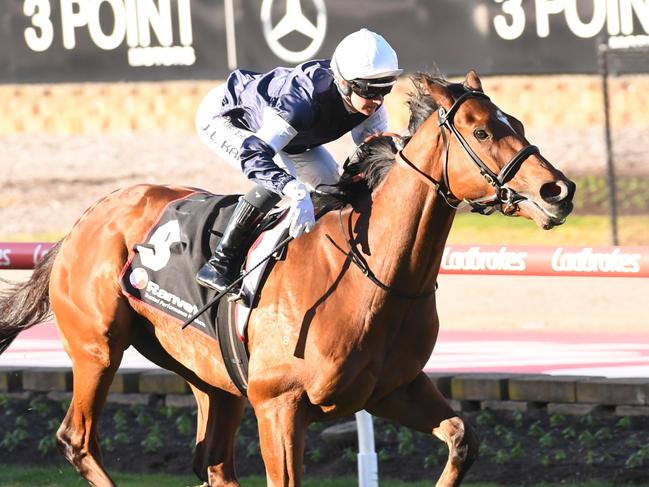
25,304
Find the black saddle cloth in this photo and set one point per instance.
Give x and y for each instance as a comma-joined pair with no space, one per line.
161,270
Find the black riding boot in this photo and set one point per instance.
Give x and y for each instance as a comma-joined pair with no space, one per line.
223,267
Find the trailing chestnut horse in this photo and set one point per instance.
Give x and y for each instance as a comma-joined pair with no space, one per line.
325,340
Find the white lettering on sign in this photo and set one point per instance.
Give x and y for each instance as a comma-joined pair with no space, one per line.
585,18
512,24
475,259
623,42
159,20
141,24
161,56
39,254
588,261
5,257
40,36
169,300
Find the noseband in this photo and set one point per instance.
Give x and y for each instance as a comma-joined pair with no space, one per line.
504,198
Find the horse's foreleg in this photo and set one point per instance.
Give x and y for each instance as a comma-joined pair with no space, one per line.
420,406
282,430
463,446
219,416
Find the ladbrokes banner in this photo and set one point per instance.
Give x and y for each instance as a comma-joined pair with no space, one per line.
105,40
511,260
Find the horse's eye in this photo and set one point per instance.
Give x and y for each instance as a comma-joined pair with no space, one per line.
480,134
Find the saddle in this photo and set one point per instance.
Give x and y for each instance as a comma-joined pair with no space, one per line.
160,271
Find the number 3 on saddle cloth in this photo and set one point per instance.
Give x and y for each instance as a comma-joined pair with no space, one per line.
160,271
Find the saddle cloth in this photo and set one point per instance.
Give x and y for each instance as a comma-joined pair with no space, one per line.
160,272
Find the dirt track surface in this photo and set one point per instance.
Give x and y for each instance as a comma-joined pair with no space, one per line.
48,180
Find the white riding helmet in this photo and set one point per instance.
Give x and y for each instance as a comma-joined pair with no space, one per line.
364,55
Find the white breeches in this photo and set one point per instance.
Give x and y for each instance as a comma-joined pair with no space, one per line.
312,167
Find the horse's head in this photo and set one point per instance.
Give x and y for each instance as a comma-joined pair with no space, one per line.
488,162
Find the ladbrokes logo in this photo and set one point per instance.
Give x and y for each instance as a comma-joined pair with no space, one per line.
475,259
5,257
588,261
111,23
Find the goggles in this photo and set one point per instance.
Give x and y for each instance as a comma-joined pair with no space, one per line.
371,89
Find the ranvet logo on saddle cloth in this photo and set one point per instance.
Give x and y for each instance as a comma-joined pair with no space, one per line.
160,272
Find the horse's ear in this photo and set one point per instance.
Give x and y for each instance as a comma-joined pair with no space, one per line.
440,93
472,81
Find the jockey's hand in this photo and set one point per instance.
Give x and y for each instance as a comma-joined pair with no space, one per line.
301,213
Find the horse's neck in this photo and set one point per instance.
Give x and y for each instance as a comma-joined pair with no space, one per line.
410,222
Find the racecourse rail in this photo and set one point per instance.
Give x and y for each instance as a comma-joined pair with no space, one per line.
506,260
568,395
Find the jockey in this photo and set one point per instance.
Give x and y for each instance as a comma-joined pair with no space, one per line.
273,127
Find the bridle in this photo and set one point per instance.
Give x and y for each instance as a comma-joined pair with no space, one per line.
504,198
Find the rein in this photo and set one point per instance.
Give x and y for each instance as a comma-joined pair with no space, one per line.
279,247
408,164
355,256
504,198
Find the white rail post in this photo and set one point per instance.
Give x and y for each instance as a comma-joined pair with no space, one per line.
230,35
368,470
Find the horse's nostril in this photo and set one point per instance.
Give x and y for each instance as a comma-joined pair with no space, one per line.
555,192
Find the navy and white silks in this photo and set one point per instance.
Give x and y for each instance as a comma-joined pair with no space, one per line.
273,125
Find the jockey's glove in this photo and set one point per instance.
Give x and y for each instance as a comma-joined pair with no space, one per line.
301,215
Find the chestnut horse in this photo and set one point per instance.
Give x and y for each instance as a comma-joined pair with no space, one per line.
325,340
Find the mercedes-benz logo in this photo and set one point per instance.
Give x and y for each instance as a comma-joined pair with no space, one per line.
294,20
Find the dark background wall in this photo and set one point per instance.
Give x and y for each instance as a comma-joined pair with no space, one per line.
109,40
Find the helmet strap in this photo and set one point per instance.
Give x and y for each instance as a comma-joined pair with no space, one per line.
345,88
345,92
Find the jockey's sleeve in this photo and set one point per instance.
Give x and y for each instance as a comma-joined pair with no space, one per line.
256,157
277,129
375,123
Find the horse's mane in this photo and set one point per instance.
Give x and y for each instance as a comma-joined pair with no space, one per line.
371,161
